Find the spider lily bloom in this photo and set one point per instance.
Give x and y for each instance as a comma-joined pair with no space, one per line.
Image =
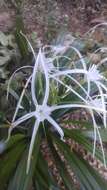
92,75
47,67
97,102
48,64
94,106
43,111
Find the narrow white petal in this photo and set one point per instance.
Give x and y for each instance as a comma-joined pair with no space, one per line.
53,108
103,104
35,70
69,71
12,76
20,99
80,56
101,143
56,126
95,131
17,122
23,118
89,87
88,96
103,86
46,96
36,126
37,59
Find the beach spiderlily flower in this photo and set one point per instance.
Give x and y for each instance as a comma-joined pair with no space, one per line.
92,77
43,111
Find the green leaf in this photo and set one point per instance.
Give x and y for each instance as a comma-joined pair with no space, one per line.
14,141
43,173
88,177
90,134
61,167
10,158
21,180
21,41
82,124
42,183
79,137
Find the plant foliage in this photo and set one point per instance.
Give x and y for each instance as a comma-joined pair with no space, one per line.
61,81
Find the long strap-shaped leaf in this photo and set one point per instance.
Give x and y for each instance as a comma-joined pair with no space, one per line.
87,176
10,158
67,180
80,137
21,180
42,170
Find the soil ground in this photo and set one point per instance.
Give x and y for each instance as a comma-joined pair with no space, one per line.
47,18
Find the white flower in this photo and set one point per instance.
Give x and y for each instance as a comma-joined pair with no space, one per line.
93,74
48,64
44,111
97,102
41,114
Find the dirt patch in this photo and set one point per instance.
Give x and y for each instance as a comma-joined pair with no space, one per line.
49,18
6,20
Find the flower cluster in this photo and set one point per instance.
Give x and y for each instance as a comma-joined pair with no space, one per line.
48,63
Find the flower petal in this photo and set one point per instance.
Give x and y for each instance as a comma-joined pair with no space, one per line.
56,126
35,129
